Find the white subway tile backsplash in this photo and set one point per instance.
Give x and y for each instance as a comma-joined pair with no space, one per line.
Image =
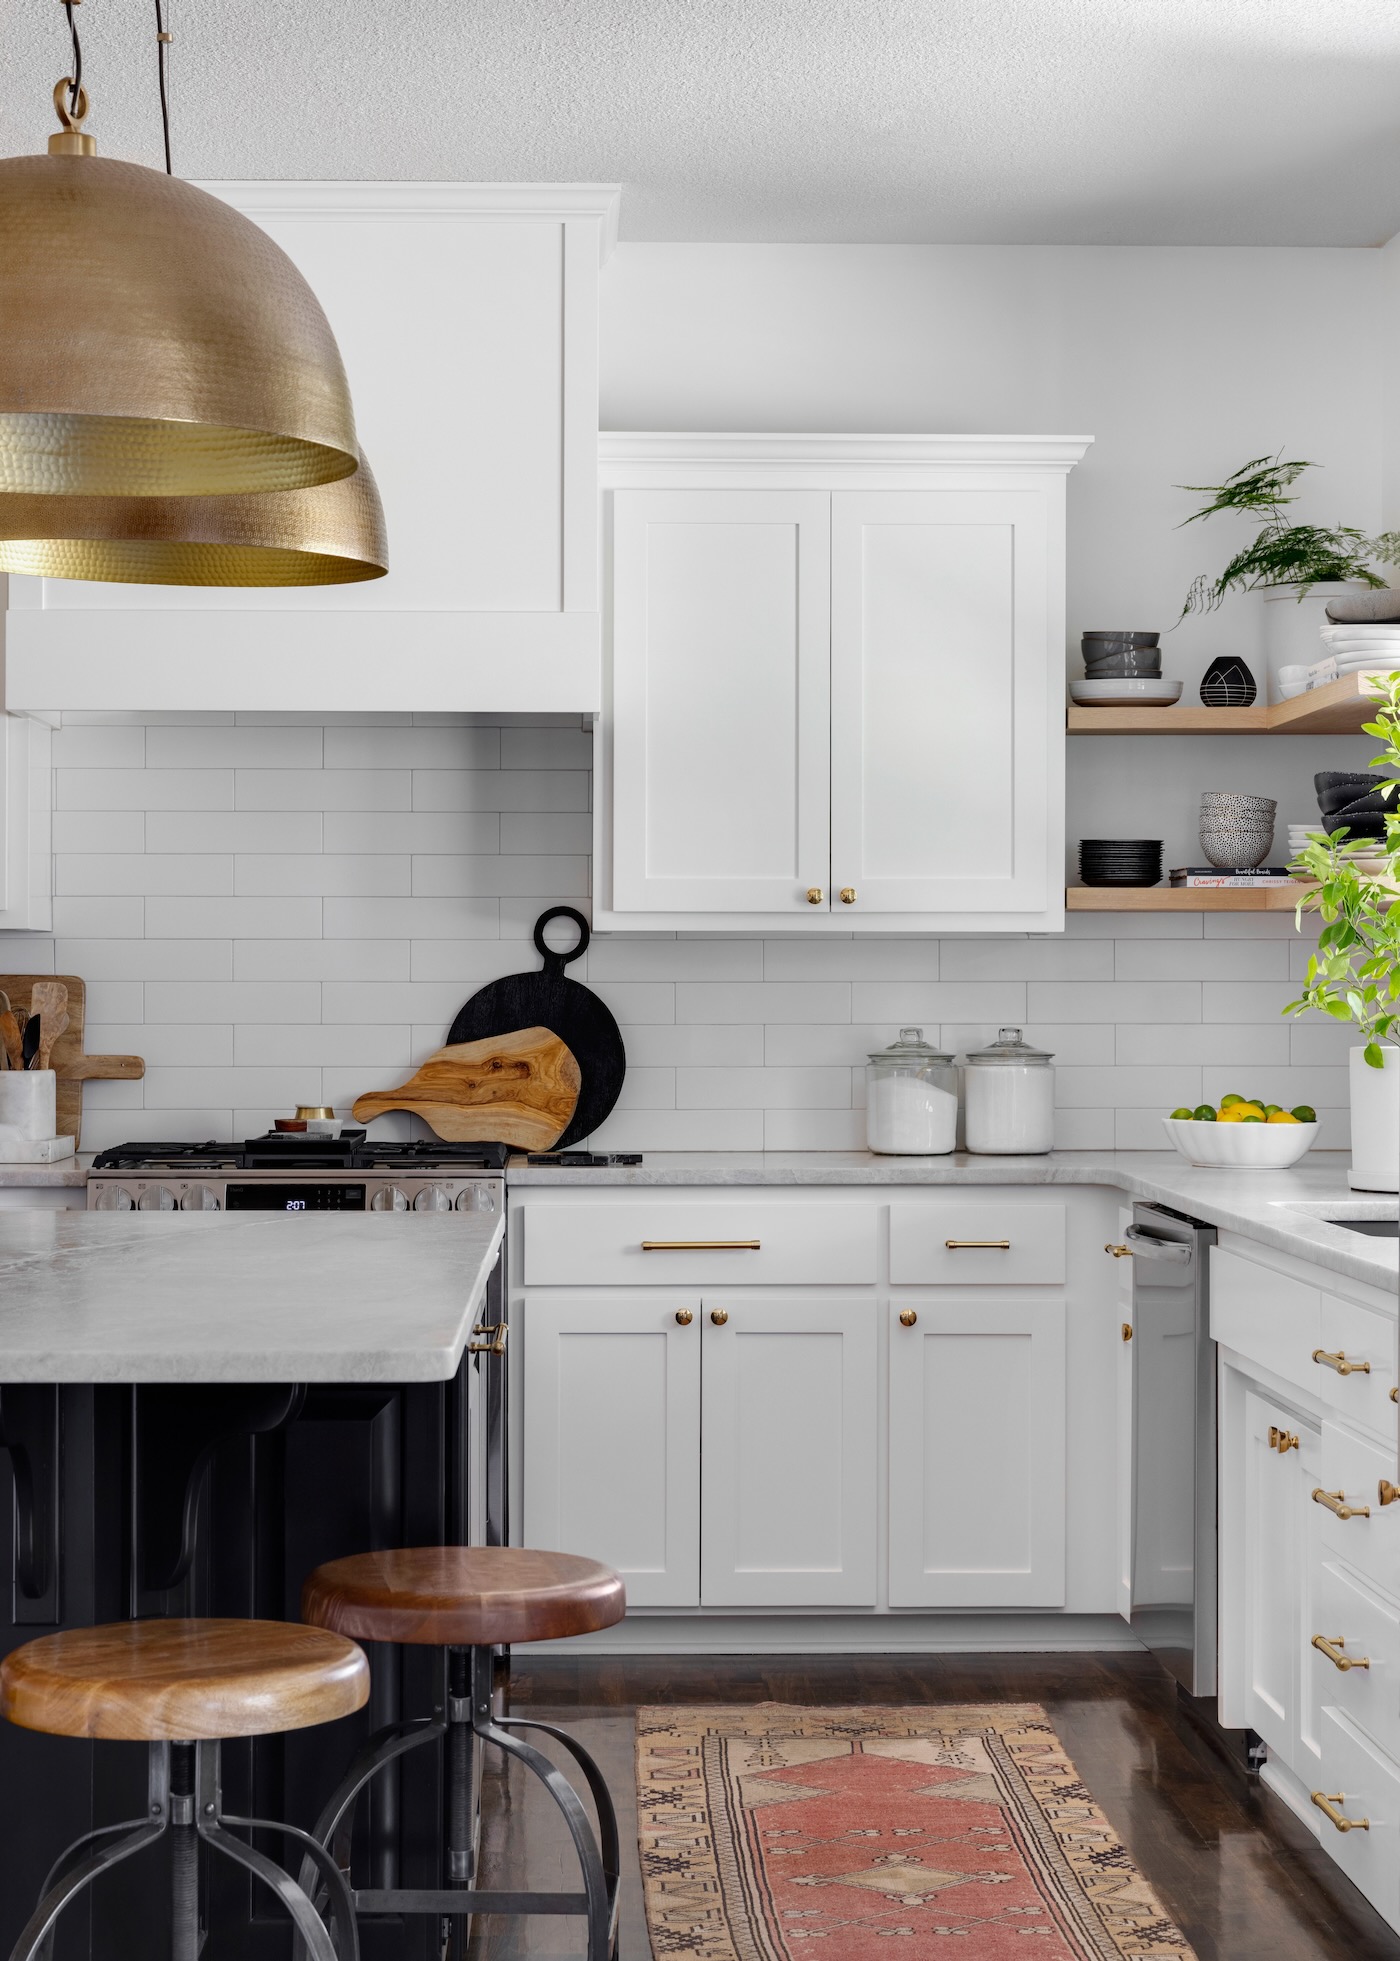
274,910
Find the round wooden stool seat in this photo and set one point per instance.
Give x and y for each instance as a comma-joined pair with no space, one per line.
463,1596
182,1681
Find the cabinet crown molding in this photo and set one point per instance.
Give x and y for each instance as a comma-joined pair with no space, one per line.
620,447
362,198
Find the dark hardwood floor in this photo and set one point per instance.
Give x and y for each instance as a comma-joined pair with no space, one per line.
1233,1867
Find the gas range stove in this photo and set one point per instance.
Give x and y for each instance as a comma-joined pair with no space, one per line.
288,1171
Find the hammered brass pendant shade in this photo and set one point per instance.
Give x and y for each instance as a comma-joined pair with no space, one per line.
332,534
154,343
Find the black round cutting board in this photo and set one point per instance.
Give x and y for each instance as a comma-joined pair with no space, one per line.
549,999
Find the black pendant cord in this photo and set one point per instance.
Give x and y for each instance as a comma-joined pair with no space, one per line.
163,40
75,85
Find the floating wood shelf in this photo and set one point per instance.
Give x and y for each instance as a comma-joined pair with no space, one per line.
1183,898
1338,709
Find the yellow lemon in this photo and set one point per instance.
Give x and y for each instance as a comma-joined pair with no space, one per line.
1282,1116
1237,1112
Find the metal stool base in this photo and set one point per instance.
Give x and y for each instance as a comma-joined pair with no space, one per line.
185,1799
464,1717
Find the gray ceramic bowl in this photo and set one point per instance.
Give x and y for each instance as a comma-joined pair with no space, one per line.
1235,848
1141,663
1118,637
1228,806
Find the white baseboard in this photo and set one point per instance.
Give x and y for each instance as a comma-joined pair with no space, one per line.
869,1634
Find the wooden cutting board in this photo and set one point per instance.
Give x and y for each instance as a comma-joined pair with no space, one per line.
519,1089
71,1066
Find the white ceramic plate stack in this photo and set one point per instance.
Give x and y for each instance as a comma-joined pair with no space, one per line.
1357,647
1125,693
1366,855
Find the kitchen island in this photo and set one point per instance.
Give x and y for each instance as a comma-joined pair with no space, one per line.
199,1408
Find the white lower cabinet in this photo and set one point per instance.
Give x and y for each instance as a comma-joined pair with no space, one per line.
977,1452
788,1467
1359,1804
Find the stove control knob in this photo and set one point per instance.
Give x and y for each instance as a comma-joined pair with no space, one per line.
199,1198
477,1198
112,1198
156,1198
388,1199
433,1198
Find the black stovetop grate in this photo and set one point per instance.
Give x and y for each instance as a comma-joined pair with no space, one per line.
293,1150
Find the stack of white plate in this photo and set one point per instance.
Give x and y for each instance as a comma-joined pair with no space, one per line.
1365,854
1357,647
1125,693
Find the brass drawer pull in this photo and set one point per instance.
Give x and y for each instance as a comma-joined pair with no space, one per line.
1119,1252
907,1318
996,1245
684,1317
1333,1651
719,1315
700,1246
1328,1807
498,1330
1281,1440
1336,1503
1340,1363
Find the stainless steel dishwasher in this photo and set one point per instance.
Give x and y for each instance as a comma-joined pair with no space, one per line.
1173,1457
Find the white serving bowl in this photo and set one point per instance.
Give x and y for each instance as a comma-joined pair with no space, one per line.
1125,693
1240,1146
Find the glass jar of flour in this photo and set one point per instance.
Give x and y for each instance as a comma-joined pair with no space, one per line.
911,1098
1010,1091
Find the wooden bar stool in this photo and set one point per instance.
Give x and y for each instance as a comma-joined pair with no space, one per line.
465,1601
181,1687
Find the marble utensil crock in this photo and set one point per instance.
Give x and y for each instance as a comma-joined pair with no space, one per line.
28,1104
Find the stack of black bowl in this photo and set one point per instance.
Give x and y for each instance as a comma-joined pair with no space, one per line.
1350,800
1115,656
1120,861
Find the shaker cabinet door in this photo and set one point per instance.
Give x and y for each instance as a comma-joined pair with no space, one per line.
612,1438
944,733
789,1477
720,692
977,1453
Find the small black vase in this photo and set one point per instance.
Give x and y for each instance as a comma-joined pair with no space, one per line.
1228,683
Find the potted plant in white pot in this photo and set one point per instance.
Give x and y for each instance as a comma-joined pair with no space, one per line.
1297,567
1355,974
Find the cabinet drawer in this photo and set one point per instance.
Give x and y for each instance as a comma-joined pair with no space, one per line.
1267,1317
1364,1628
1356,1475
720,1241
986,1242
1360,1782
1352,1335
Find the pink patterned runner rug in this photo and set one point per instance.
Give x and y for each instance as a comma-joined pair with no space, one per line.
771,1833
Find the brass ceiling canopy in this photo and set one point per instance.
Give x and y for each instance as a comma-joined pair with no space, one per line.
153,341
332,534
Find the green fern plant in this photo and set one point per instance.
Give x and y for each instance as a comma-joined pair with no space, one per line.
1355,973
1283,554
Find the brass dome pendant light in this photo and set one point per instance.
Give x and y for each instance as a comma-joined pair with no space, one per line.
153,341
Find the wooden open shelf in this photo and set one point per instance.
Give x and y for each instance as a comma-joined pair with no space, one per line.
1180,898
1338,709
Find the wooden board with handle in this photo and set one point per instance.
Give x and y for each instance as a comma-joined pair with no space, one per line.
71,1066
520,1089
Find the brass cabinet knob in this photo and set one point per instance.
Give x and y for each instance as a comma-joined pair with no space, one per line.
815,895
684,1317
848,895
1387,1492
1282,1440
1119,1252
908,1318
719,1315
1127,1331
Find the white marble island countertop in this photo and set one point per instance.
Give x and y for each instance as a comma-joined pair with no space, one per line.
240,1297
1290,1210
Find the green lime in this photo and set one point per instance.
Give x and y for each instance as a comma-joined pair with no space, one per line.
1181,1116
1251,1120
1269,1108
1305,1113
1226,1101
1203,1113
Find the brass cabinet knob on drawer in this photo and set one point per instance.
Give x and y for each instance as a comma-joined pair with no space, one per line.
907,1318
1327,1805
684,1317
719,1315
1119,1252
1282,1440
1127,1331
1333,1650
848,895
815,895
1337,1359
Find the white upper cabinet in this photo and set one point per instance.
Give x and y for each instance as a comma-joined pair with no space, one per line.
26,826
833,691
467,317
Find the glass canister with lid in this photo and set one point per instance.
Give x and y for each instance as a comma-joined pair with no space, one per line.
1010,1091
911,1098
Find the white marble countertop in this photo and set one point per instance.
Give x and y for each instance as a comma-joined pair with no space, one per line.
1289,1210
240,1297
68,1171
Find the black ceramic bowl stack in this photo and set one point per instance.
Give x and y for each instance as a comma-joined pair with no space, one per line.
1120,861
1115,656
1351,801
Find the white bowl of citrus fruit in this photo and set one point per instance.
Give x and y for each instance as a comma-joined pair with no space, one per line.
1244,1132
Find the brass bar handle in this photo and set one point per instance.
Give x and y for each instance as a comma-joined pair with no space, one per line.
1119,1252
995,1245
1282,1440
1328,1807
719,1315
1335,1502
907,1317
1339,1362
498,1330
684,1317
700,1245
1333,1650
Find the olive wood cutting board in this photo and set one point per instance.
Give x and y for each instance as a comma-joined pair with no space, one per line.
519,1089
70,1065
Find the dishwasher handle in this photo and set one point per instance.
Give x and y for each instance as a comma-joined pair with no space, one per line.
1143,1245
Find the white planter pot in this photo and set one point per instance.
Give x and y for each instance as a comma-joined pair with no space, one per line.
1293,628
1375,1122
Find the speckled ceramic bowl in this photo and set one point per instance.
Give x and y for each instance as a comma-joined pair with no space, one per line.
1233,848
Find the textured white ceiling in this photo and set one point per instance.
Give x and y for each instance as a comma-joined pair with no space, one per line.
1026,121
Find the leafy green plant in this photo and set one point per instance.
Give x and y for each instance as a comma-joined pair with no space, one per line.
1355,973
1283,554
